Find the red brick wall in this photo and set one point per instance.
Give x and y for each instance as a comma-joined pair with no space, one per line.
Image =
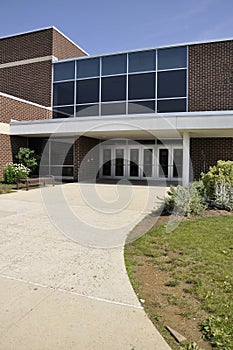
30,82
13,109
63,48
5,152
211,76
26,46
86,168
205,152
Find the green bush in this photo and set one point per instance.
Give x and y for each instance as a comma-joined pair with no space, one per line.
13,172
221,173
185,200
28,158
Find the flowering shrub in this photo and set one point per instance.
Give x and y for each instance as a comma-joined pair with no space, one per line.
13,172
222,173
185,200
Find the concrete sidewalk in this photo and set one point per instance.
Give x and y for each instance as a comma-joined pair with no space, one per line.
62,293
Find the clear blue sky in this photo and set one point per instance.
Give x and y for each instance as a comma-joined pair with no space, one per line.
103,26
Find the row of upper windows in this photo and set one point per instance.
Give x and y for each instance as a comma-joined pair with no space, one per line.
170,84
143,61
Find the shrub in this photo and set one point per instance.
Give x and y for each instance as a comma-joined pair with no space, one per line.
28,158
185,200
13,172
219,174
223,196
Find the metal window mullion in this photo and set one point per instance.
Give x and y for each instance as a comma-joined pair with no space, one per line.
100,85
127,83
187,76
156,79
75,87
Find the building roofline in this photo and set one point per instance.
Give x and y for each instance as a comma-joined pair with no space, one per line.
191,43
41,29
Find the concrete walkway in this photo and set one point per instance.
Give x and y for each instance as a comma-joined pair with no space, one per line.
62,289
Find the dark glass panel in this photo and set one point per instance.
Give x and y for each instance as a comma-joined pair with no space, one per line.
63,71
115,64
177,163
113,108
147,162
107,162
87,110
167,106
88,91
63,112
134,162
63,94
88,68
174,57
163,163
141,86
142,61
119,162
172,84
141,107
114,88
61,152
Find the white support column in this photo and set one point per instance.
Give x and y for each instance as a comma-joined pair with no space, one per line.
186,158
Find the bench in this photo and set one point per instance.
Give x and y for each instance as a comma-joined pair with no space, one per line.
36,181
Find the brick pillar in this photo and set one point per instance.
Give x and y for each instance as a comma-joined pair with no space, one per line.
86,159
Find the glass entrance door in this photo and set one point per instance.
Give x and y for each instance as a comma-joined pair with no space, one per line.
148,162
107,162
134,163
163,162
119,170
177,163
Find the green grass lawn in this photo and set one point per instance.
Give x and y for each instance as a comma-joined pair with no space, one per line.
198,256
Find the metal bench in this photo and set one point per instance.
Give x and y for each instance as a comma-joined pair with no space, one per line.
36,181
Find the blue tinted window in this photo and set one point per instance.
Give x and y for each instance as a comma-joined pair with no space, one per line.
141,86
142,61
87,91
87,110
63,71
88,68
174,57
172,84
113,108
166,106
115,64
113,88
141,107
63,94
63,112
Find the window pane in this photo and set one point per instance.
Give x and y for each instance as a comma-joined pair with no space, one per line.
134,162
174,57
61,153
63,112
114,88
141,107
166,106
172,84
113,108
163,163
141,86
142,61
88,91
115,64
147,162
119,162
63,94
107,163
88,68
63,71
87,110
177,163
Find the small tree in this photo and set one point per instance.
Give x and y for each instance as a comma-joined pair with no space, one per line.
28,158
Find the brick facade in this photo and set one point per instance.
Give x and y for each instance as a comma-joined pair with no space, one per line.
33,81
86,159
205,152
210,76
19,110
